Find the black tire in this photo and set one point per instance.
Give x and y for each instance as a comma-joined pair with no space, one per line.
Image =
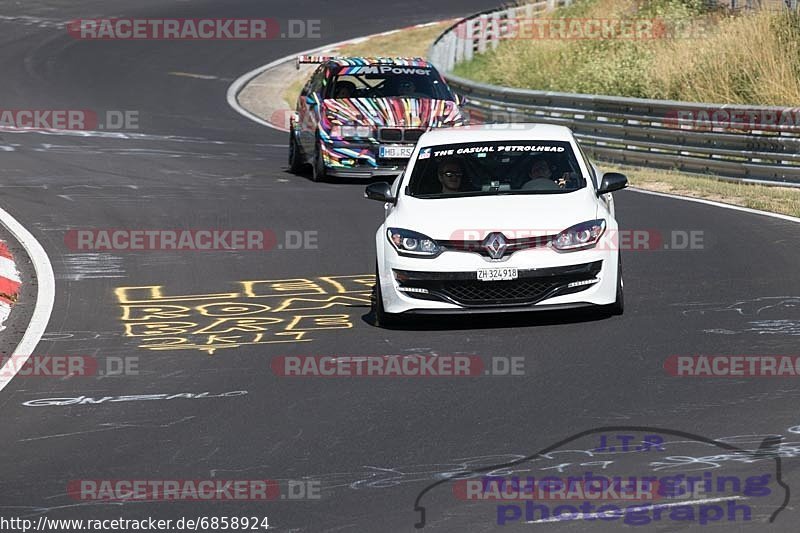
382,318
618,307
318,166
295,155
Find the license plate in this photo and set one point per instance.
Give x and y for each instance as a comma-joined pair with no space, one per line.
497,274
395,151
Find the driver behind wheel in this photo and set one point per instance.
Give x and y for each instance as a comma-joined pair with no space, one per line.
344,89
450,174
406,88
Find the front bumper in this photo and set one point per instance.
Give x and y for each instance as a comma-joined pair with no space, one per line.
463,289
448,284
347,159
500,310
363,172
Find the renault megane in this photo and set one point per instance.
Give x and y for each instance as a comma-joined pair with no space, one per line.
496,218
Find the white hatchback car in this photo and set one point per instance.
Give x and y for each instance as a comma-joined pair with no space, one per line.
496,218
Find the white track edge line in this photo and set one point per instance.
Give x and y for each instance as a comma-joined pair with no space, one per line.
45,297
723,205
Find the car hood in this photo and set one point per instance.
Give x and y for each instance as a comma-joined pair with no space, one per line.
516,216
391,112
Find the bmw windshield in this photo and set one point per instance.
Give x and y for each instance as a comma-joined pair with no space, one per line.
499,167
387,81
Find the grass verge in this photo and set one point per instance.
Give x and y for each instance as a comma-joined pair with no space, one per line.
694,54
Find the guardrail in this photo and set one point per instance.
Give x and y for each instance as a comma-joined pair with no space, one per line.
654,133
757,4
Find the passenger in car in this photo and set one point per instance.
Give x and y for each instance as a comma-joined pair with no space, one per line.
540,172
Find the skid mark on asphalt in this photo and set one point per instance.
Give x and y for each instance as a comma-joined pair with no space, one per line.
126,136
33,511
110,426
77,267
553,463
198,76
774,327
149,152
768,315
754,306
38,22
762,327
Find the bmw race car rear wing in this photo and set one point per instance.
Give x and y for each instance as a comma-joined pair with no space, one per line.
360,61
304,60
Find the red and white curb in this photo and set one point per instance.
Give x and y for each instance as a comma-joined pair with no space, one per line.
45,296
9,283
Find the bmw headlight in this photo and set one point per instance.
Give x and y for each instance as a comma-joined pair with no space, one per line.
580,236
411,243
349,132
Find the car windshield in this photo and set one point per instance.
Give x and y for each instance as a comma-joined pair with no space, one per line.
488,168
386,81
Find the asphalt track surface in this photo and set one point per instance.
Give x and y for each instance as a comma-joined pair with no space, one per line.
371,444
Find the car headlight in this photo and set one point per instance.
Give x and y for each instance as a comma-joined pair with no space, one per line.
351,131
411,243
580,236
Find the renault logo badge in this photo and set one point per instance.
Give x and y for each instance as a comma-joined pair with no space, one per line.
495,244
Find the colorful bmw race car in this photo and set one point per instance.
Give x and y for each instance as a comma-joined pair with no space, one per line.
360,117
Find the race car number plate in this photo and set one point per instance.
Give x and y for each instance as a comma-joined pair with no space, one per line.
395,151
497,274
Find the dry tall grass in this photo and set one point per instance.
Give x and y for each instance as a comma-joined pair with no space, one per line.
749,59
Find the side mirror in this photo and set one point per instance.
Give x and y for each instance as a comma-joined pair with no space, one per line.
612,181
310,100
381,191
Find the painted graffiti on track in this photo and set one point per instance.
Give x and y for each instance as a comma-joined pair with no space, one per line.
258,312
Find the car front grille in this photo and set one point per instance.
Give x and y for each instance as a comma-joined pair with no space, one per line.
512,245
390,134
464,289
410,135
497,292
